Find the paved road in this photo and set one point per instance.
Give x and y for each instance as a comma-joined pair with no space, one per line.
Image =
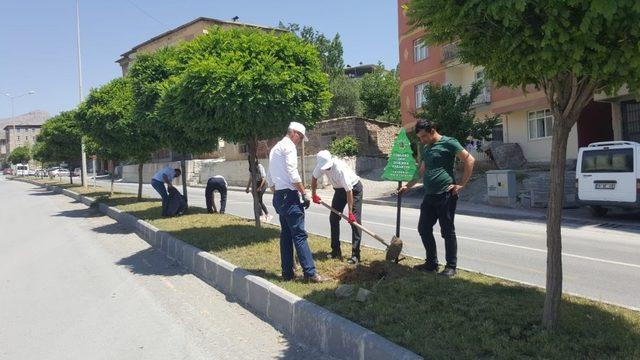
75,285
599,262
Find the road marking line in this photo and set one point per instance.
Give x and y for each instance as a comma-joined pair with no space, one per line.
507,245
526,248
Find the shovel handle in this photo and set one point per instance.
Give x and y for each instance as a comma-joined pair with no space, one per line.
355,223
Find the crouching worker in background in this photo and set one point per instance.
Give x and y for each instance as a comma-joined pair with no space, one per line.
216,183
162,177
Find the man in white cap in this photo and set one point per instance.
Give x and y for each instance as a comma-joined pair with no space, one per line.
347,191
285,182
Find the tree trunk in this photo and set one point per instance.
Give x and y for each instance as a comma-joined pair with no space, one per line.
113,177
567,96
554,223
253,169
140,167
183,169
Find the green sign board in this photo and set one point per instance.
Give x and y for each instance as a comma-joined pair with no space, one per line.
401,165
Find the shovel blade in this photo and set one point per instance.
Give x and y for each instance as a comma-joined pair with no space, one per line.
394,249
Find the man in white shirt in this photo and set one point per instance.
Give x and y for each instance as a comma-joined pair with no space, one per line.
164,176
347,191
285,182
219,184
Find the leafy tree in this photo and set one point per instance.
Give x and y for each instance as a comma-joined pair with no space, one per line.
330,51
346,146
106,117
148,74
246,85
451,109
380,95
20,155
569,49
60,140
346,97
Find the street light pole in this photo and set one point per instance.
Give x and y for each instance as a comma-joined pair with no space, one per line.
13,120
84,154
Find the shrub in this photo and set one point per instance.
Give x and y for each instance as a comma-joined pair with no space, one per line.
347,146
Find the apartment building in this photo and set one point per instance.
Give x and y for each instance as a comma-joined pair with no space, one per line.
21,130
526,118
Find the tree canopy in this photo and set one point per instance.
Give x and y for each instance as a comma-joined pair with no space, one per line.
452,110
346,97
59,140
330,51
19,155
380,95
569,49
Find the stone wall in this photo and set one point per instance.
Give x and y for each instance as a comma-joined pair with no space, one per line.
375,138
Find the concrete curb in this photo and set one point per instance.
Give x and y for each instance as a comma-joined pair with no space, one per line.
309,323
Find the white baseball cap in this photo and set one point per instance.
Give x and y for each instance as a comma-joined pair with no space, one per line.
296,126
324,160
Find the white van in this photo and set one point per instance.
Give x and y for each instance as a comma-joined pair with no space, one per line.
608,175
22,169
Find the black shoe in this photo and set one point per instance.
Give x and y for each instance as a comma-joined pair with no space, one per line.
426,267
353,260
448,271
221,212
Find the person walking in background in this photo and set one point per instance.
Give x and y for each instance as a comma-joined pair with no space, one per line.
216,183
347,189
261,188
162,177
440,193
284,180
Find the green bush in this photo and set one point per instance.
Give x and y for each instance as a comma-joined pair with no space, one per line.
347,146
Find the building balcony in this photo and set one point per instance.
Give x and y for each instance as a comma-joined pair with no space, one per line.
483,98
450,52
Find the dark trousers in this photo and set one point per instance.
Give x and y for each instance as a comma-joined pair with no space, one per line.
215,184
339,202
292,233
162,190
260,193
440,208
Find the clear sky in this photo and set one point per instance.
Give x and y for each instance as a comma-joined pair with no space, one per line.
38,37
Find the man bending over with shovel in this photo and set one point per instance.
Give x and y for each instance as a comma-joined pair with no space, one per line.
440,193
347,191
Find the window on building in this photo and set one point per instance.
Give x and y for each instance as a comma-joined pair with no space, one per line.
420,50
419,92
540,124
497,133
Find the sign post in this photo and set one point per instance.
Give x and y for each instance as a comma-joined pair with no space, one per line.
400,167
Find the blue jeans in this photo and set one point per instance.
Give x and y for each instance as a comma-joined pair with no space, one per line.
162,190
292,233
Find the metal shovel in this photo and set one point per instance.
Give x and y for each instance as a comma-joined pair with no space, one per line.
393,249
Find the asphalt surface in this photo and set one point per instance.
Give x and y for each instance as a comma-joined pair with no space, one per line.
600,262
76,285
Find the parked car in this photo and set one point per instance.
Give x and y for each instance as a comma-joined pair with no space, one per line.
63,173
7,171
77,172
608,176
40,173
31,172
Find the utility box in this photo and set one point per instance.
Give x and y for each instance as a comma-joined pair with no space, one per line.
502,188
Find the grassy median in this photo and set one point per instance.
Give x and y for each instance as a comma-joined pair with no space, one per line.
470,316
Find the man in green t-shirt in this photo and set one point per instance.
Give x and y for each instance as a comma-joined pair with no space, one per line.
440,193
